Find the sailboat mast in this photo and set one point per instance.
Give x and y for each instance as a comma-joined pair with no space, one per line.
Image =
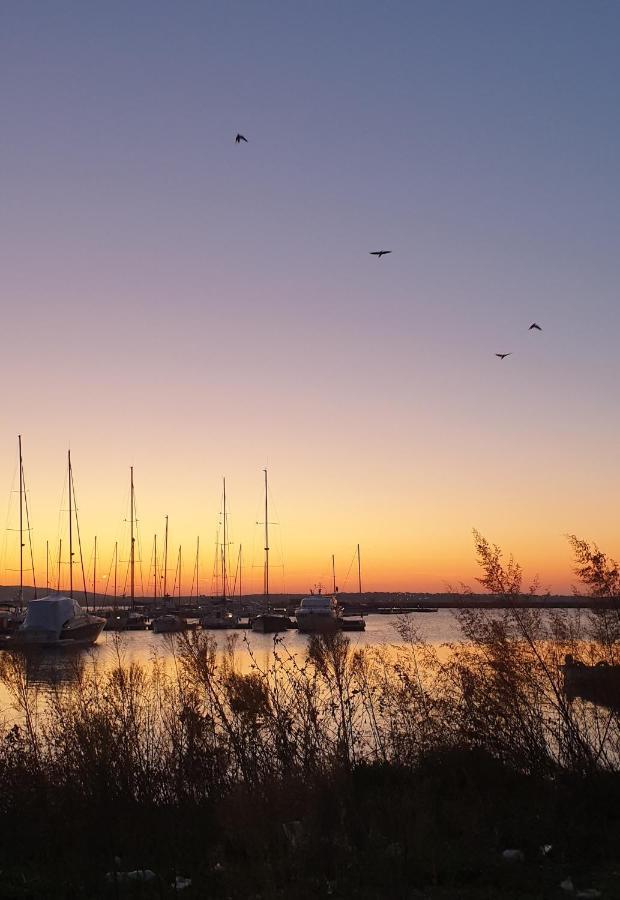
70,526
115,570
224,547
95,576
222,564
59,559
179,589
197,558
239,571
47,566
216,565
359,570
334,572
132,556
266,579
155,567
165,559
21,523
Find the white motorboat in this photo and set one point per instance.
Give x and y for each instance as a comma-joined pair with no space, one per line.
56,621
318,612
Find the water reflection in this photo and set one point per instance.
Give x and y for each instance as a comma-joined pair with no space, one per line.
50,668
598,684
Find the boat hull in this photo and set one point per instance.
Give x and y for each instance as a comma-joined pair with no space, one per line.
87,631
218,624
352,625
74,634
169,625
599,684
270,624
315,623
125,622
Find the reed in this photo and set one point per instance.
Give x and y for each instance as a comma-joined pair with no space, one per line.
345,770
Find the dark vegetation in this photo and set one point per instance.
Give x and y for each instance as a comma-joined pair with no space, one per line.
400,772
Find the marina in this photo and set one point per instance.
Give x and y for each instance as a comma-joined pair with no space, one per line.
309,579
54,664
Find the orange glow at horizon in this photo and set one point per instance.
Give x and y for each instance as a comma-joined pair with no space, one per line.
426,552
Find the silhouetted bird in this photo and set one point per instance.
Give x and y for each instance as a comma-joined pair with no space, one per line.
240,138
536,326
379,253
503,355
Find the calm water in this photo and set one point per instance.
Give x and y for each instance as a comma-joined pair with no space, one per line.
142,646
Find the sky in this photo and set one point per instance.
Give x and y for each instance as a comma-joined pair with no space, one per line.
195,308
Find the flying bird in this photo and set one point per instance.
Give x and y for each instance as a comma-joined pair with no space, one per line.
536,326
503,355
240,138
379,253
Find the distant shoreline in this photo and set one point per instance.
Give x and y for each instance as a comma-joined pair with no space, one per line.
366,602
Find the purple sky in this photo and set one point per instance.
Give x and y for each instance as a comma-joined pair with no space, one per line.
197,308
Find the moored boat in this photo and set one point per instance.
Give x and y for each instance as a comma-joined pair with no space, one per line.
405,610
599,683
169,623
126,621
353,624
56,621
218,618
317,612
136,621
271,622
10,618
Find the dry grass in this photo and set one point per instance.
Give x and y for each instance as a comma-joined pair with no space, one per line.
408,767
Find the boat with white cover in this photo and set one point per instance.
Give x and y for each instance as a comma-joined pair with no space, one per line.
56,621
318,612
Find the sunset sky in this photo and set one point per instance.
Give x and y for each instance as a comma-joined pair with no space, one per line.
194,308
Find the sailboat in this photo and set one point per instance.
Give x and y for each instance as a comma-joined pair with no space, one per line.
351,624
128,620
218,616
11,614
170,623
269,621
59,620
